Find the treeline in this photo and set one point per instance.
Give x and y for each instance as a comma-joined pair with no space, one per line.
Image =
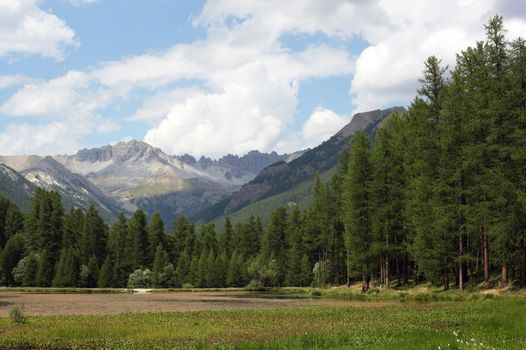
439,195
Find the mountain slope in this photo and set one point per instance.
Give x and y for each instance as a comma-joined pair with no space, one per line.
138,175
75,189
15,187
281,177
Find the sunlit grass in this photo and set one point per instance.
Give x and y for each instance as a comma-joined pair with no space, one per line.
496,323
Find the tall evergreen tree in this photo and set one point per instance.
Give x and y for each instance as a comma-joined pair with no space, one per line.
274,245
136,248
156,236
358,210
159,263
94,238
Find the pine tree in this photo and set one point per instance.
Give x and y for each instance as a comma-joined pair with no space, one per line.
14,222
13,252
274,245
156,236
159,262
226,238
358,210
306,271
202,270
387,200
422,161
30,276
136,248
194,270
183,238
234,273
220,270
182,271
116,249
212,272
71,268
105,278
94,237
72,230
46,269
296,251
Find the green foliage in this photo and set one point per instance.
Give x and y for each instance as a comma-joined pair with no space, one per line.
11,255
156,236
357,196
67,274
140,279
17,314
159,263
263,273
105,279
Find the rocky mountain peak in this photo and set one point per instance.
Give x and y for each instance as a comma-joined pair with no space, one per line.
120,153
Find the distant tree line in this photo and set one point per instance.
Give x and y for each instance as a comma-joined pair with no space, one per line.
438,195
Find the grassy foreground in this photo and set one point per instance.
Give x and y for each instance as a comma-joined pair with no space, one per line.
478,324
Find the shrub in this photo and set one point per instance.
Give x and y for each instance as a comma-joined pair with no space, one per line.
255,285
140,279
188,286
17,314
315,294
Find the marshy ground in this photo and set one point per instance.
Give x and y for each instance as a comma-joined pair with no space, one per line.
281,319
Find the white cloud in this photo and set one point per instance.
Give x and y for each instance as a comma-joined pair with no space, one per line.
8,81
82,2
157,107
42,139
321,125
25,28
237,89
387,72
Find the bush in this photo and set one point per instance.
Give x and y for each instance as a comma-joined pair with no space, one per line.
265,273
17,314
255,285
315,294
188,286
140,279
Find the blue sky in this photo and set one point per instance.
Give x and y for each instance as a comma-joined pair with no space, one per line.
218,76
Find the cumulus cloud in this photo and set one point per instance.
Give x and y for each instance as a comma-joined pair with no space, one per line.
38,138
82,2
25,28
7,81
237,89
387,71
321,125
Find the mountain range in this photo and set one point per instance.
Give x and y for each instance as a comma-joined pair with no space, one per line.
130,175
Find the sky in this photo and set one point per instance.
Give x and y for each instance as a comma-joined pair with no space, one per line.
218,76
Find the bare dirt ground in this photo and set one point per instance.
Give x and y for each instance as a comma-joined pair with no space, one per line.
96,304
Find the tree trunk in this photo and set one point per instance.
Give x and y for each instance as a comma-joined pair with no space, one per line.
504,276
523,272
348,270
446,276
460,267
386,272
381,272
485,253
398,272
405,269
415,271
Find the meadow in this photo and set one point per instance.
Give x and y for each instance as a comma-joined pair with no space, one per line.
450,321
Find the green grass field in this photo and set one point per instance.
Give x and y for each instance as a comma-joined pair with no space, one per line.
478,323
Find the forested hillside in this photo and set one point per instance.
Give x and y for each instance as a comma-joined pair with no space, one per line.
439,196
